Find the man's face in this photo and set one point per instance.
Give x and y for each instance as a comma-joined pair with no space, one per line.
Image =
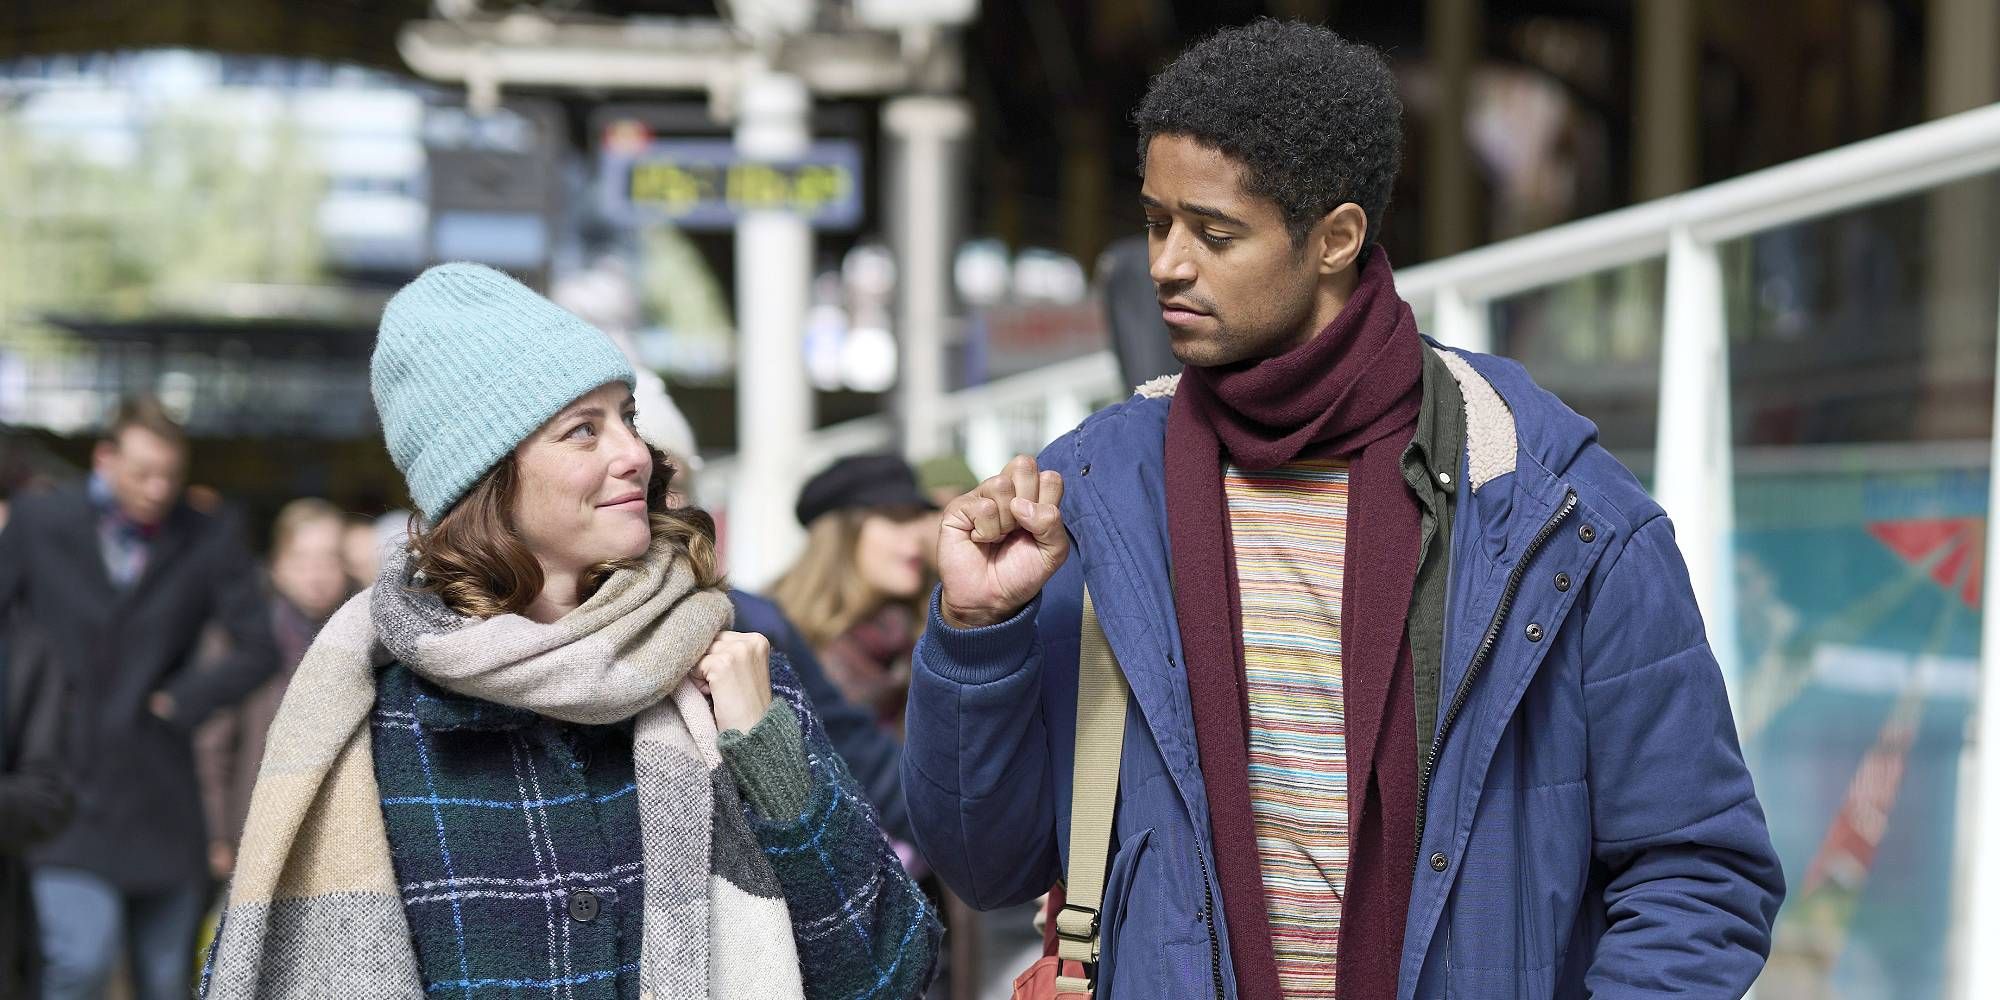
145,472
1232,285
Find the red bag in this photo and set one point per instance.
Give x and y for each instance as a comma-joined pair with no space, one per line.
1039,982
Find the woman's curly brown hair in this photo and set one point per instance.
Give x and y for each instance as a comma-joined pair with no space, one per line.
475,561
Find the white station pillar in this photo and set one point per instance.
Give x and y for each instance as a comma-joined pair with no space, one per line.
774,403
926,132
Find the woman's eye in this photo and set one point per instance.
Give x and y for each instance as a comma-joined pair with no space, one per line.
632,419
580,432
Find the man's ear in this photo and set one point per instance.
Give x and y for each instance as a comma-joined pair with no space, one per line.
104,454
1338,236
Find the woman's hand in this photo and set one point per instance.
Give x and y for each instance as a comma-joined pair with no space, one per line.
736,676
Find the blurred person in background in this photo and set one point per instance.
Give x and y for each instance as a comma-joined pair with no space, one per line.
553,643
121,575
857,591
943,478
308,582
36,799
360,556
366,541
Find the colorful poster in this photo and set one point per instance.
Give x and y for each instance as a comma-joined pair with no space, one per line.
1858,596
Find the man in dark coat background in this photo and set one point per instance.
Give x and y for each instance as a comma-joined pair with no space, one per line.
35,799
120,575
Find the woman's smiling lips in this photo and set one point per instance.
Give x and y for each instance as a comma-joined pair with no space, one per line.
630,501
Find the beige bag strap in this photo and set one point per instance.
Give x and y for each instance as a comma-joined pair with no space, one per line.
1100,738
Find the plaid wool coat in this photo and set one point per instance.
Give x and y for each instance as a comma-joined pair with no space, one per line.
516,844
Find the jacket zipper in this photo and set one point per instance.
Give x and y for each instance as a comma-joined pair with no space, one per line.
1479,658
1208,917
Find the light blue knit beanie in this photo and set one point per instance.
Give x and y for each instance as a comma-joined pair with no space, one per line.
468,363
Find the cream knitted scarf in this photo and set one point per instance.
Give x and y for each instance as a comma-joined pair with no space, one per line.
314,910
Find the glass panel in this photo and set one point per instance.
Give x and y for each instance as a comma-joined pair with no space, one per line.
1595,341
1861,356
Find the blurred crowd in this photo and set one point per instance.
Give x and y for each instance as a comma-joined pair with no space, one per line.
126,772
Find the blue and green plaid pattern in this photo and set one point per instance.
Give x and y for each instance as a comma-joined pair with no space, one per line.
863,928
497,818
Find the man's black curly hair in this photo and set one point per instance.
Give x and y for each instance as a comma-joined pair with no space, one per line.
1313,117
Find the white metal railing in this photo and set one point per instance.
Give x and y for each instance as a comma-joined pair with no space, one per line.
1693,455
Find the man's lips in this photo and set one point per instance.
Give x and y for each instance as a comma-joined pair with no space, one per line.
1180,313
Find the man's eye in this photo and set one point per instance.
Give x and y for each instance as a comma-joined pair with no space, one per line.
1155,224
1217,239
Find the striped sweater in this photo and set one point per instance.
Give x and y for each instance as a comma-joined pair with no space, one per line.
1289,527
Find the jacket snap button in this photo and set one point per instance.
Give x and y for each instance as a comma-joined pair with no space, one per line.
1439,862
1085,471
1587,533
1534,632
583,906
1562,582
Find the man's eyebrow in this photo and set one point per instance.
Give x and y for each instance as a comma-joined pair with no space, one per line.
1213,213
1192,208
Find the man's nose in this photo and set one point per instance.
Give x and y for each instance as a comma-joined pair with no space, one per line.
1170,266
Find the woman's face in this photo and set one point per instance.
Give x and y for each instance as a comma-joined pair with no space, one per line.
361,554
580,495
309,571
889,555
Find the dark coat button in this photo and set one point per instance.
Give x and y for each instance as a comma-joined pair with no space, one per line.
1534,632
583,906
1562,582
1439,862
1587,533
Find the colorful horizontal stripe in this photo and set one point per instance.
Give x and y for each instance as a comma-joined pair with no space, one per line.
1289,526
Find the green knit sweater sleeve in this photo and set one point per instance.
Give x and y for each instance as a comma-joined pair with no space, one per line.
862,927
769,763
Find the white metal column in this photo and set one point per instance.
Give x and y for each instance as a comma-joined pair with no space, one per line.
1460,322
1062,413
773,397
926,132
1693,470
988,447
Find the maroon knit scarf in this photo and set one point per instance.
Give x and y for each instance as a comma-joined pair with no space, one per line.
1353,393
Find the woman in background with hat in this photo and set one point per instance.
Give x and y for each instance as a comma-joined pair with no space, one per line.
856,593
532,758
